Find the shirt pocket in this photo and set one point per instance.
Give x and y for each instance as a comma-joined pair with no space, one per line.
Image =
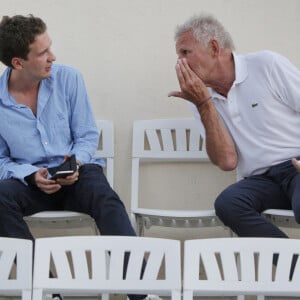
58,130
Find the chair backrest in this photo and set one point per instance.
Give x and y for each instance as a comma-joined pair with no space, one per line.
15,267
241,266
164,140
168,139
92,265
106,147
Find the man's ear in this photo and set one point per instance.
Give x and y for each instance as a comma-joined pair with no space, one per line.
17,63
214,47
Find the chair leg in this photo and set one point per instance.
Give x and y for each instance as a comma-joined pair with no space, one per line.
139,226
26,295
141,230
176,295
187,295
105,296
37,294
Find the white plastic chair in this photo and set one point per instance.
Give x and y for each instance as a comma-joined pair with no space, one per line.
69,219
166,140
16,267
240,266
93,266
282,217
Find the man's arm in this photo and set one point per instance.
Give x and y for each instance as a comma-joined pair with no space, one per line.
219,144
12,169
83,126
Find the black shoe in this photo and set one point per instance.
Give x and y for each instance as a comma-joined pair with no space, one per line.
57,297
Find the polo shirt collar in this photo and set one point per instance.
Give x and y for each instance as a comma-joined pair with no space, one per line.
241,71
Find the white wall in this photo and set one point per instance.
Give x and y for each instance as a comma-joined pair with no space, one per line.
125,50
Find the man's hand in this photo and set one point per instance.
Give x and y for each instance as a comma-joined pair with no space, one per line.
192,87
69,180
296,164
46,185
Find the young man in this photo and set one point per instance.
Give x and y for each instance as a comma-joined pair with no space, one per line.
46,117
249,106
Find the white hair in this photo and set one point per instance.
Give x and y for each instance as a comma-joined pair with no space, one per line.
205,28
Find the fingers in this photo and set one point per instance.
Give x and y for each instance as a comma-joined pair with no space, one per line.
48,186
185,69
184,79
50,189
191,85
175,94
69,180
184,72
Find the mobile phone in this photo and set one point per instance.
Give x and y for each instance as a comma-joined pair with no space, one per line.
62,174
67,168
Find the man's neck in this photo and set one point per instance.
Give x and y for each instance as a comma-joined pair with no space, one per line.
18,83
225,76
23,90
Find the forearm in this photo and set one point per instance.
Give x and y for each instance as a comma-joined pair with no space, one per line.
10,169
219,144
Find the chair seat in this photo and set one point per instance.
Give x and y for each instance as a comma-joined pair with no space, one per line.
59,219
177,218
60,214
281,217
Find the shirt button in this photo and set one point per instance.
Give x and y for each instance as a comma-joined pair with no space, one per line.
46,143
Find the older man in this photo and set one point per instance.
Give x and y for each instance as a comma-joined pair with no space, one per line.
249,106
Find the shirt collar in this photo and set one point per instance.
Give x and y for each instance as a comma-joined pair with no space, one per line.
241,71
4,95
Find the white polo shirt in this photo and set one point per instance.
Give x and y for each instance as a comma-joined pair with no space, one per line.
262,111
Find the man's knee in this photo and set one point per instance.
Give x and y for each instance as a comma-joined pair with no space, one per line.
222,203
296,209
297,215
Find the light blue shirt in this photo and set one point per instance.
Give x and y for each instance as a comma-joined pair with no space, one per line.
64,124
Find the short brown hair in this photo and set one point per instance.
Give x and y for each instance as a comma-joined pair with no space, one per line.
17,33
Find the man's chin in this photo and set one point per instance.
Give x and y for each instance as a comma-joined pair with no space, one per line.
47,75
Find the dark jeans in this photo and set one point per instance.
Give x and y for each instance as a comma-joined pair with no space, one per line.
91,194
240,205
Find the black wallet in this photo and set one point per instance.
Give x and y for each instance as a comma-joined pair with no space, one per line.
67,168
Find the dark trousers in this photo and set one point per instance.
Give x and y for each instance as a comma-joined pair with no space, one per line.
240,205
91,194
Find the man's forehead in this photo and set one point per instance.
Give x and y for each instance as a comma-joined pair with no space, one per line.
185,39
41,40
